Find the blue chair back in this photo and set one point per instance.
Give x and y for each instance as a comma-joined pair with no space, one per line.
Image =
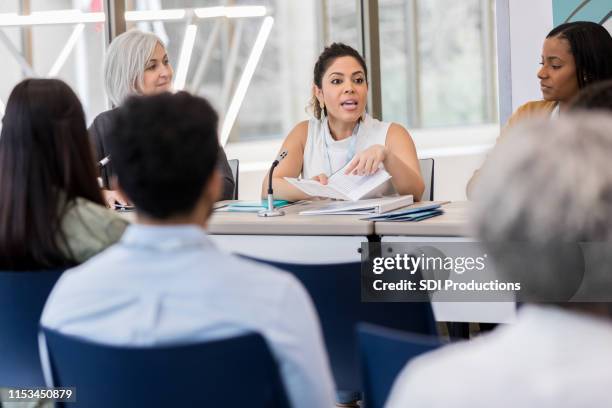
22,298
233,372
384,353
336,292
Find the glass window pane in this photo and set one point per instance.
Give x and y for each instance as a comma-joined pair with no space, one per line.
451,62
279,93
435,70
398,86
279,90
72,52
342,21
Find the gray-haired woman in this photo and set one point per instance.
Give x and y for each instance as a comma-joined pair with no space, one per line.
136,63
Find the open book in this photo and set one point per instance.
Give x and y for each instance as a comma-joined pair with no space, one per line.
345,187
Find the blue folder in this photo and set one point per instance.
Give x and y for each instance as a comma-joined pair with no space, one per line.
409,213
417,216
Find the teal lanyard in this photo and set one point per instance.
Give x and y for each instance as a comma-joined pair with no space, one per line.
350,152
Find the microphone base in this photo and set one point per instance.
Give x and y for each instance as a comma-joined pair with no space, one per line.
270,213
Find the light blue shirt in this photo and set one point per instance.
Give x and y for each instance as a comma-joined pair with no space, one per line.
168,284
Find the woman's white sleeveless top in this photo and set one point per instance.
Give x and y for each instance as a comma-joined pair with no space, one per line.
323,154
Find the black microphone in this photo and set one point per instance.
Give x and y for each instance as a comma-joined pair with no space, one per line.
271,212
279,158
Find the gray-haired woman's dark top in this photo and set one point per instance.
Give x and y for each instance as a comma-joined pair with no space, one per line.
101,127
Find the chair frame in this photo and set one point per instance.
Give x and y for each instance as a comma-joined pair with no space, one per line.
167,375
23,295
395,349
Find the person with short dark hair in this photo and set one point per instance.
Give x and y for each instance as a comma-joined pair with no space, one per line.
574,55
165,281
179,159
51,211
342,136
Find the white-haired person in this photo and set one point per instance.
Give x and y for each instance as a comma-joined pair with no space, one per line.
548,188
136,63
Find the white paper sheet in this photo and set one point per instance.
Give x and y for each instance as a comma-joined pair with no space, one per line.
343,186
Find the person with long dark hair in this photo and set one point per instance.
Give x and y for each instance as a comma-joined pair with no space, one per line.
341,133
52,214
574,55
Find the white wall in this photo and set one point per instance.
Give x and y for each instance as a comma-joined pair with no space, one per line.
522,26
530,21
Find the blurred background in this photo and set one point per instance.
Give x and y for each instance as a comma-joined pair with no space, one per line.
436,58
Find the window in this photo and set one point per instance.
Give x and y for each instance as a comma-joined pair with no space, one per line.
278,91
67,44
437,57
437,62
342,23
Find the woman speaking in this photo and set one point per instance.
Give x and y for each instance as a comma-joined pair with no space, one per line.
341,133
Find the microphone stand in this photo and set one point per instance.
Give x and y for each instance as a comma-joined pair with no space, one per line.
101,164
271,211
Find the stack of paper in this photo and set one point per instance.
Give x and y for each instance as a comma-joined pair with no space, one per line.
362,207
416,213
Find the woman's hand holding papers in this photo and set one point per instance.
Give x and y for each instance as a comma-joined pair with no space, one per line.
321,178
368,161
